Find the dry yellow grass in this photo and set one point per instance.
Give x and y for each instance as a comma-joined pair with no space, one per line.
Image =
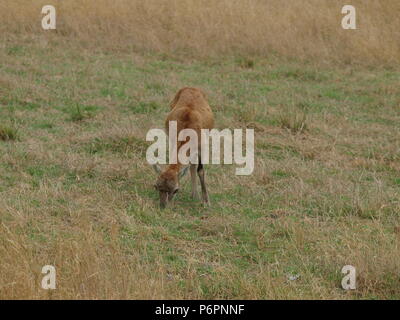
307,29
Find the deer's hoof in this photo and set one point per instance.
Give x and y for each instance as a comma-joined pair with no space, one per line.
206,204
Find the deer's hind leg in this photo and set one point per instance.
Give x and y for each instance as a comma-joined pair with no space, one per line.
204,193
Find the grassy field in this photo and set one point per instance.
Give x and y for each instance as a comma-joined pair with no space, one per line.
76,191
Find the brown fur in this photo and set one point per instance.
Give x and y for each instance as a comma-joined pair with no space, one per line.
190,110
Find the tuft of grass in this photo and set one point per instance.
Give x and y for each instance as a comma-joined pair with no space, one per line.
245,62
8,133
81,112
76,114
295,121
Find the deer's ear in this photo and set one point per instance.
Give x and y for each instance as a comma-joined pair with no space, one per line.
183,171
157,168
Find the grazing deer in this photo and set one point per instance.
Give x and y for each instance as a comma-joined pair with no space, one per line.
190,110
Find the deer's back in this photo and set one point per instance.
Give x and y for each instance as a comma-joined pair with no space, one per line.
190,109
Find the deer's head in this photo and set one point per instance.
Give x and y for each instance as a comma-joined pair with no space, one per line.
167,183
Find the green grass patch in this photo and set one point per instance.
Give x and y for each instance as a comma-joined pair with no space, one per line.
8,133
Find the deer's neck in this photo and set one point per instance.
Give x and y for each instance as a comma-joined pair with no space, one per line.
174,168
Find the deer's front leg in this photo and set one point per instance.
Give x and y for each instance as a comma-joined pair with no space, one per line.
195,194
